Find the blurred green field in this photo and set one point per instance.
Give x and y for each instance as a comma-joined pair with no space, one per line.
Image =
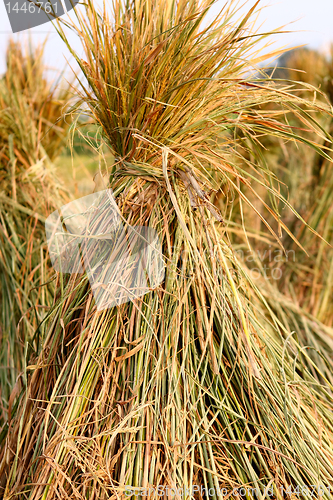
77,172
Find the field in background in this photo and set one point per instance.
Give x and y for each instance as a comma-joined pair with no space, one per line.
77,172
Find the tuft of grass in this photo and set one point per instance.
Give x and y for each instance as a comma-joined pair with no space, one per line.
198,382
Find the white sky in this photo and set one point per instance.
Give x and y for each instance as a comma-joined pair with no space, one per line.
311,23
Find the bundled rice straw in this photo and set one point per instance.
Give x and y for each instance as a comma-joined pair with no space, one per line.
29,139
197,384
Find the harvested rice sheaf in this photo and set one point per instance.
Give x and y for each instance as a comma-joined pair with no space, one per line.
30,138
198,383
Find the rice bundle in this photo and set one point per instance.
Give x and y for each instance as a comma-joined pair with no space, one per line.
29,140
311,275
197,385
297,283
